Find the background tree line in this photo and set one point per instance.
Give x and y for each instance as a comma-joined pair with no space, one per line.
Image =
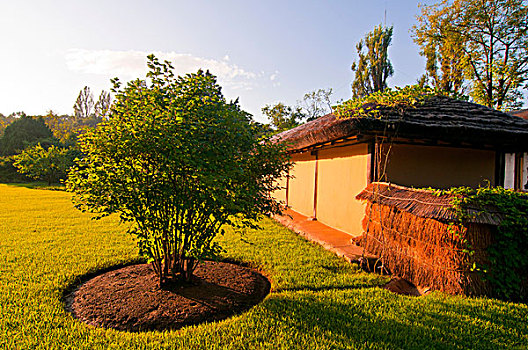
43,147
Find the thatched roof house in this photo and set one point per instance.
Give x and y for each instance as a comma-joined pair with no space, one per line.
440,143
438,119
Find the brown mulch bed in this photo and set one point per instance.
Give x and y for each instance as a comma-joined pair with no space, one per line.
129,298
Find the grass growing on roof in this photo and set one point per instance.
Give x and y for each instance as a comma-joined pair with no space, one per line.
398,98
318,301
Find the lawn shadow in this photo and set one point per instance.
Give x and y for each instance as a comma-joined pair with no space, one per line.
38,186
366,318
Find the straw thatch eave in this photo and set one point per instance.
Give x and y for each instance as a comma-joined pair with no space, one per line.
424,203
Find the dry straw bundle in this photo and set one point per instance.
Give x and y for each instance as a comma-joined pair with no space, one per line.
412,231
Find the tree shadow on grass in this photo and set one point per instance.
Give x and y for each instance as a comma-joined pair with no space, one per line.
377,318
38,186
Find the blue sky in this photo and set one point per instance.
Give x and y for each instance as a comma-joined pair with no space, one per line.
262,51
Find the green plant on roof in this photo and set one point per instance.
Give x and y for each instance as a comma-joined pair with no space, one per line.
398,98
179,162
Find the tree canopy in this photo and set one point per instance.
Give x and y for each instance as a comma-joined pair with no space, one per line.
373,67
481,42
283,117
23,132
315,104
177,161
443,50
40,163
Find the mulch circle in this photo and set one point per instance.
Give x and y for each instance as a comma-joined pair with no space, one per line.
129,298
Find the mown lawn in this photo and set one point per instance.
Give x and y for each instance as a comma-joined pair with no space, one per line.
317,300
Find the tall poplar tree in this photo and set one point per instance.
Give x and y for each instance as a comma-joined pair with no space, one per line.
84,105
373,67
102,106
443,49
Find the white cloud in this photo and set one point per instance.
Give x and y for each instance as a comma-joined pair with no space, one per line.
132,64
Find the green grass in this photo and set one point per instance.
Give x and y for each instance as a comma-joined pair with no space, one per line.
317,300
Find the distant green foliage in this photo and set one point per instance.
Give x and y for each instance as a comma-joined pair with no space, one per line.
283,117
179,162
481,43
8,172
5,121
23,132
64,127
443,48
315,104
508,255
53,134
39,163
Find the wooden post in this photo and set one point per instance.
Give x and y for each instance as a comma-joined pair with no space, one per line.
314,216
371,162
287,187
524,172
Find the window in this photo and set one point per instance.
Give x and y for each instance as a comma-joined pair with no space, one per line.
516,171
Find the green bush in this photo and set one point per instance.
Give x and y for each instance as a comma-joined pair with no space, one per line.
9,173
507,270
39,163
179,162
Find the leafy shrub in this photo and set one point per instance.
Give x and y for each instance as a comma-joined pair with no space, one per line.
398,98
179,162
8,172
507,270
49,164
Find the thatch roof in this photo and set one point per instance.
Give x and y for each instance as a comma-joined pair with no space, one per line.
437,118
424,203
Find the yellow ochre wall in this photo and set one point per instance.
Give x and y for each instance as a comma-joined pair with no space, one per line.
342,174
440,167
302,180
